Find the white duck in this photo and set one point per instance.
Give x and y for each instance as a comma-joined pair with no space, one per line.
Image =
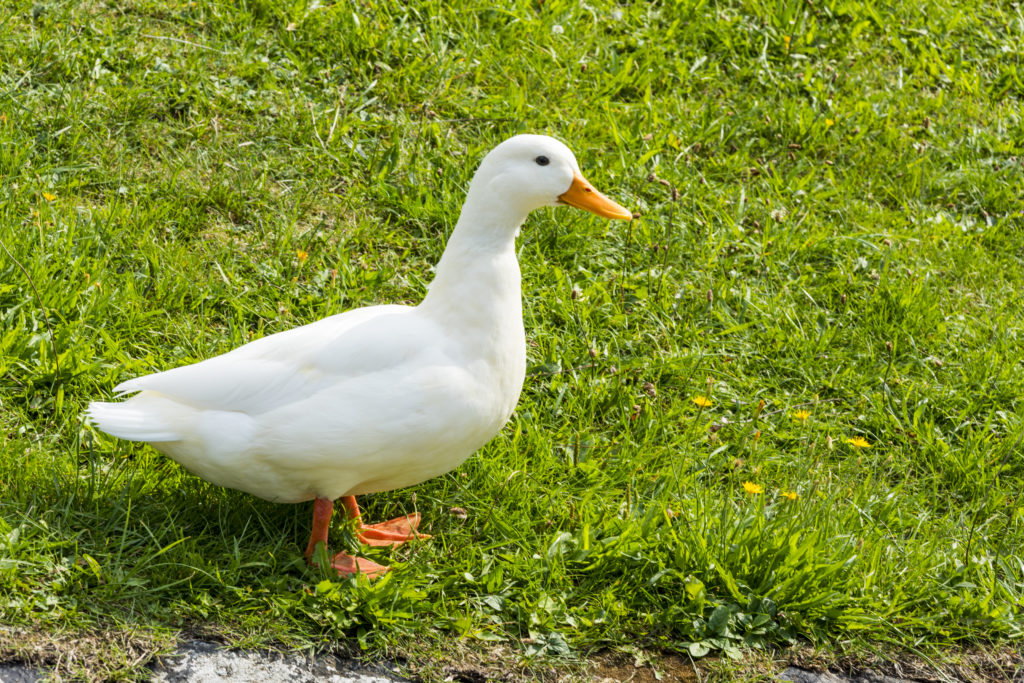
375,398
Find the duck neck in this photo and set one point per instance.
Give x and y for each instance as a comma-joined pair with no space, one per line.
477,282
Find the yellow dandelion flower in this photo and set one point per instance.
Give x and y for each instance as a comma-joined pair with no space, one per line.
829,123
858,442
49,197
789,494
701,401
302,255
785,42
751,487
801,415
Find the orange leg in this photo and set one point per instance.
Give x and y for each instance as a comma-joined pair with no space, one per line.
392,532
343,563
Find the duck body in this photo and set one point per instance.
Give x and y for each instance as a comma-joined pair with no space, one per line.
368,400
374,398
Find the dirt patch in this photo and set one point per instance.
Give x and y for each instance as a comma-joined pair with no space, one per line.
617,667
473,665
464,662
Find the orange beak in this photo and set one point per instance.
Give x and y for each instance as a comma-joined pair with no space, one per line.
582,195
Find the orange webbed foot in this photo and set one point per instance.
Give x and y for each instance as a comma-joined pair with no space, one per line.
392,532
347,565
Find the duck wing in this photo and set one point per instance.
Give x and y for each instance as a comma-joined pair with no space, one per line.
268,373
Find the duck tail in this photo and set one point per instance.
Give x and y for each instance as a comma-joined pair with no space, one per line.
131,422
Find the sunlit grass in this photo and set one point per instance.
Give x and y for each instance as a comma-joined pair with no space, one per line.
784,405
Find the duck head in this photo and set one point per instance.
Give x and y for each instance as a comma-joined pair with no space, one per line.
527,172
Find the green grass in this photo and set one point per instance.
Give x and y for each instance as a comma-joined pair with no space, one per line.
832,222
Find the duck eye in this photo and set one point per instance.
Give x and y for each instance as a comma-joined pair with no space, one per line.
542,160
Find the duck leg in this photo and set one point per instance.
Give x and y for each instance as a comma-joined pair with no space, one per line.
343,563
393,532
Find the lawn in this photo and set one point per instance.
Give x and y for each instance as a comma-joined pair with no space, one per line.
783,407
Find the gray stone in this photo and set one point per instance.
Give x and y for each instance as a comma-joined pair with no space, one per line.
18,673
198,662
804,676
